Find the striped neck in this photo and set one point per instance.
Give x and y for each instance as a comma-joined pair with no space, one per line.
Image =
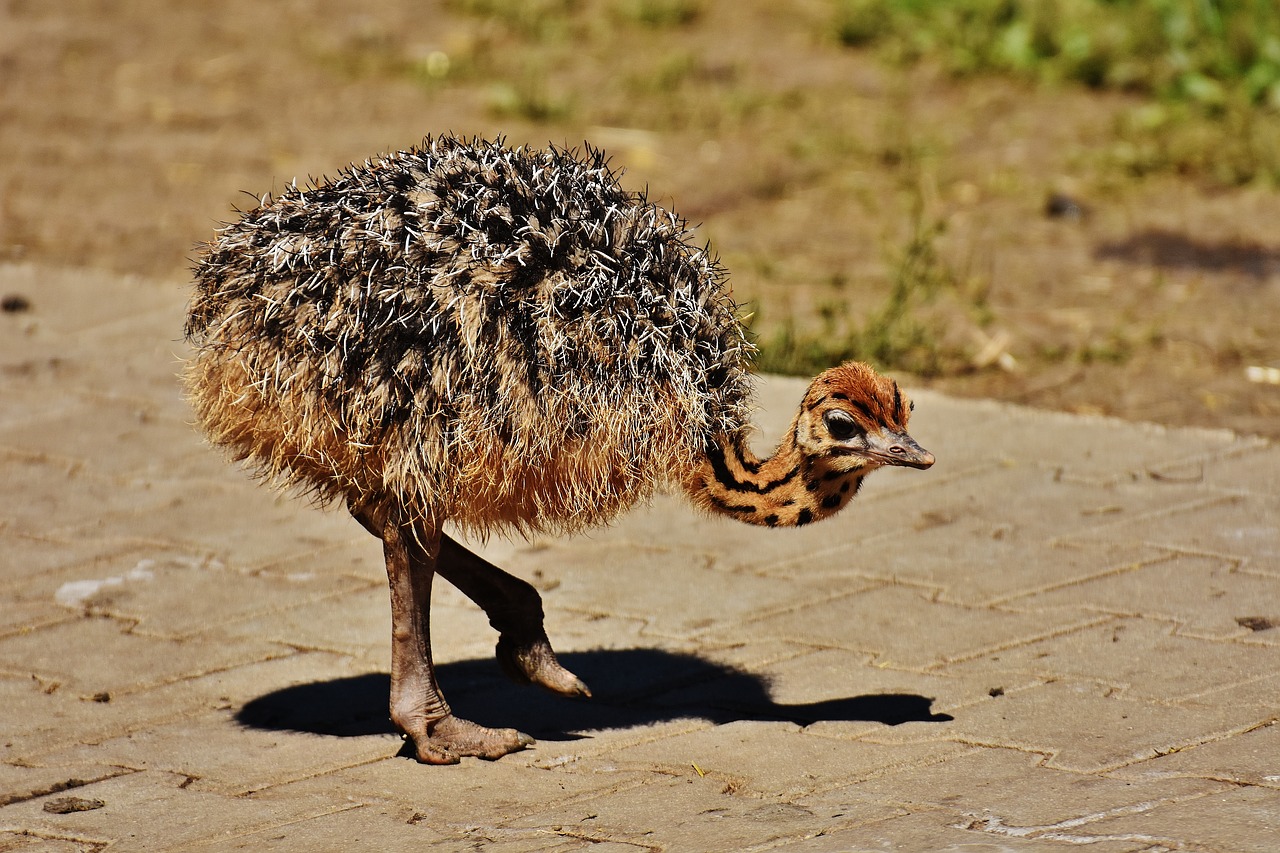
789,489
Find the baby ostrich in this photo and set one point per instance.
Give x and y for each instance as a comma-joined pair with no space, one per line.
507,340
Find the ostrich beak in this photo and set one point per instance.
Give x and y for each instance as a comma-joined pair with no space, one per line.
899,449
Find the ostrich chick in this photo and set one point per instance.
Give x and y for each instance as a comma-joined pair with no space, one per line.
507,340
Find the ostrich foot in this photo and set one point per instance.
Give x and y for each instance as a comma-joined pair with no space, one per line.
449,739
534,662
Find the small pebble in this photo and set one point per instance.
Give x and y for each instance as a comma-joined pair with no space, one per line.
14,303
1062,206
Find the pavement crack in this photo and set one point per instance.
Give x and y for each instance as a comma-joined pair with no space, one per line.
85,843
58,787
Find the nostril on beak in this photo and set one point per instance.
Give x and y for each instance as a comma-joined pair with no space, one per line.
910,454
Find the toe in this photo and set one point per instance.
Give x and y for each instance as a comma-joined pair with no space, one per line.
430,752
454,737
535,663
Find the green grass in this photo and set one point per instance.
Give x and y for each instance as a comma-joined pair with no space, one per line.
898,334
901,332
1203,51
1211,66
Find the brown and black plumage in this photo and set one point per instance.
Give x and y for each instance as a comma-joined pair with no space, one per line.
507,340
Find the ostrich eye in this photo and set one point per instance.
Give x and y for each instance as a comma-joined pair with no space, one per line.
840,424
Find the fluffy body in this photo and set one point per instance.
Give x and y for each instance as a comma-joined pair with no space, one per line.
504,338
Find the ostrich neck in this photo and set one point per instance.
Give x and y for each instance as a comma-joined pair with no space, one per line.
788,489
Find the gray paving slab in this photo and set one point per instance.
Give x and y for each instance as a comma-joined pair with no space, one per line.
1012,789
1062,637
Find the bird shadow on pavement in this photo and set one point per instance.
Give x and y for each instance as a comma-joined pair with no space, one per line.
631,687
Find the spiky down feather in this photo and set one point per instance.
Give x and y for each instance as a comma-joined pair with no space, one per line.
502,337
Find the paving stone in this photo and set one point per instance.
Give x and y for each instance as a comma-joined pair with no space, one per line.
360,557
13,841
515,841
233,730
835,693
312,694
96,654
127,437
362,827
1241,819
356,623
1121,653
1009,789
1131,452
62,501
60,310
244,524
45,716
20,782
1234,471
674,814
1205,596
1082,727
980,507
904,628
23,556
21,617
153,811
226,756
39,717
1248,758
601,580
237,686
1237,526
941,831
770,760
456,799
957,563
933,669
25,402
155,588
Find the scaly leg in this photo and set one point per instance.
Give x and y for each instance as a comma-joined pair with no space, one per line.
514,609
417,707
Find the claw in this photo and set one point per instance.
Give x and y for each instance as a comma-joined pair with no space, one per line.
575,687
535,663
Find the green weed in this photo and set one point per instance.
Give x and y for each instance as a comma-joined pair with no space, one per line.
538,20
661,13
899,334
529,97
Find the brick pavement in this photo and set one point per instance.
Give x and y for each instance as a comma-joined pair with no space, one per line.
1059,638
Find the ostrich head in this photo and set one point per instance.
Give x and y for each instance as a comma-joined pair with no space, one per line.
851,421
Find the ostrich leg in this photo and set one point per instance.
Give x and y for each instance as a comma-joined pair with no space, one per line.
514,609
417,707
